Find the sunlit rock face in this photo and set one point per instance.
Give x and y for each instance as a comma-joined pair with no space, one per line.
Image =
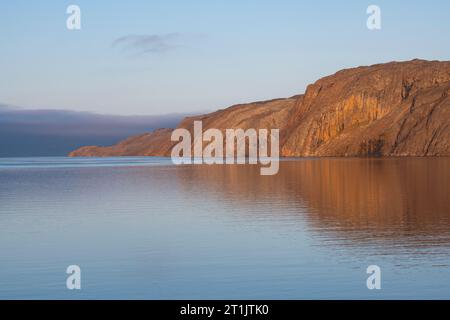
156,143
392,109
398,108
272,114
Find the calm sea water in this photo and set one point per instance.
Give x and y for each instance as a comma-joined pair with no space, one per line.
143,228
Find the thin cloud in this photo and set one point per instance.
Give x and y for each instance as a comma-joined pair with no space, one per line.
148,44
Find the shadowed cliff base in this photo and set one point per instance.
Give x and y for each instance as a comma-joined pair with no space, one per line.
391,109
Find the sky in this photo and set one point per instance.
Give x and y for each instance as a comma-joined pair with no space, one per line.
175,56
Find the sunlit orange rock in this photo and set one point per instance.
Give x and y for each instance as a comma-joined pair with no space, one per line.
392,109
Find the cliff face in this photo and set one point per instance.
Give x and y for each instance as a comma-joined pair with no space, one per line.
393,109
387,109
271,114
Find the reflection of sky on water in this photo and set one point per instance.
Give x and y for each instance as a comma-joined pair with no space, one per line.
161,231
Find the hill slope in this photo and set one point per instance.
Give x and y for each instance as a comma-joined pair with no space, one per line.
392,109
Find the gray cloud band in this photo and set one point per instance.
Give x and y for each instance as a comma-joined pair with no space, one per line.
148,44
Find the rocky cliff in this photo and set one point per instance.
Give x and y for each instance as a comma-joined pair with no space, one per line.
392,109
264,114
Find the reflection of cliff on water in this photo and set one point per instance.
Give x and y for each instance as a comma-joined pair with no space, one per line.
404,199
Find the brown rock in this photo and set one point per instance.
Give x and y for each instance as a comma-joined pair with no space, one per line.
392,109
398,108
156,143
264,114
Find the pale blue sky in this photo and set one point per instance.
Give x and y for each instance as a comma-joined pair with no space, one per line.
183,56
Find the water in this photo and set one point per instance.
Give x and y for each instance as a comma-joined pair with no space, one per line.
142,228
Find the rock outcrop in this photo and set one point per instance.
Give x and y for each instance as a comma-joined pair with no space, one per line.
392,109
156,143
264,114
399,108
